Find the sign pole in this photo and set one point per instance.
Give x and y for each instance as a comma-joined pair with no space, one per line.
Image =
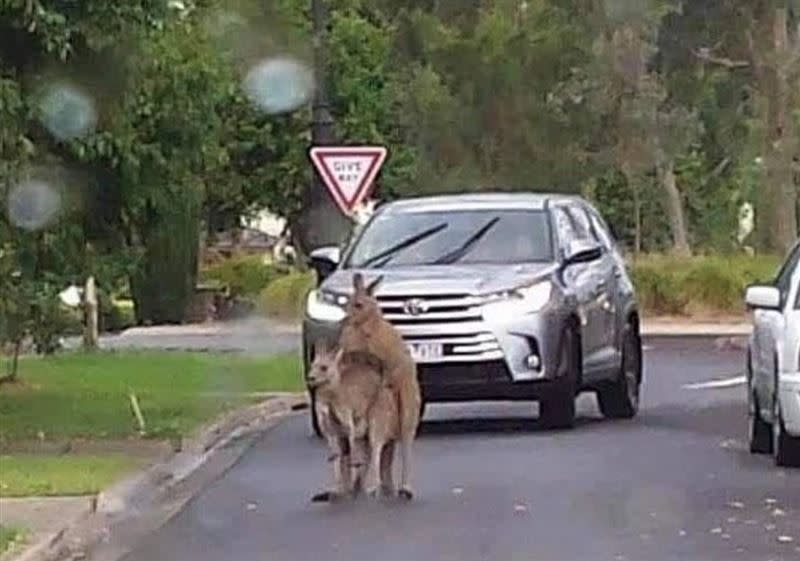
320,223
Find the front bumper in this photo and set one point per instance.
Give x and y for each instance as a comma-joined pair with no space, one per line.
789,395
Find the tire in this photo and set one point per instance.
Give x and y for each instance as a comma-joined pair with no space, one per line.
557,411
316,431
760,432
620,400
786,448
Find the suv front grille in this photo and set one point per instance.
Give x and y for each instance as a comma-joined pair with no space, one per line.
454,321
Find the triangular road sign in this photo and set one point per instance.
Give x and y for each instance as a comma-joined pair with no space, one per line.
348,171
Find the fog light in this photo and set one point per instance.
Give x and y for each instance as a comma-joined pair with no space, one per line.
533,362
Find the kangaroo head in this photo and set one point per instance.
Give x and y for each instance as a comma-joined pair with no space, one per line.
362,306
326,368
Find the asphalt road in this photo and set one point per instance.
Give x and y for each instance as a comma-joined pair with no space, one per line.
675,484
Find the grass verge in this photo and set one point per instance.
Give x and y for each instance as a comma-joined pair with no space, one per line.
44,476
79,396
9,538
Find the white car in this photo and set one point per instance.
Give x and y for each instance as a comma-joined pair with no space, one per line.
773,365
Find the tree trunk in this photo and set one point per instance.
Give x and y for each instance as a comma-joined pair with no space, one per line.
677,219
777,217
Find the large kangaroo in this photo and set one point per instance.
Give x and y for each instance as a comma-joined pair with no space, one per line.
366,331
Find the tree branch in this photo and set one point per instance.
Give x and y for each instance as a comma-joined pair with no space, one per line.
706,56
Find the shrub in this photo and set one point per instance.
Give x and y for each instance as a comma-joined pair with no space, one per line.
699,285
244,276
285,296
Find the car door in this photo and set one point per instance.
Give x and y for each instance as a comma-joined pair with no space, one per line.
604,286
580,280
769,329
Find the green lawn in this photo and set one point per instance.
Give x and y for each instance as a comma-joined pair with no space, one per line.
8,537
87,396
29,475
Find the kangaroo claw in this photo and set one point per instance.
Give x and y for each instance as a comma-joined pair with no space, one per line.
405,494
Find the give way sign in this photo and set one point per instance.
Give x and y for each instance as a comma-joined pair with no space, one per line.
348,171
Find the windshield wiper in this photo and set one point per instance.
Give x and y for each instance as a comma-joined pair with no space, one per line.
382,258
468,245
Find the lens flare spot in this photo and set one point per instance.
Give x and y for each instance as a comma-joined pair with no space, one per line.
279,85
33,205
67,112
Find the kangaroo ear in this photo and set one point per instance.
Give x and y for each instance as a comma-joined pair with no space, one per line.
373,286
358,283
339,356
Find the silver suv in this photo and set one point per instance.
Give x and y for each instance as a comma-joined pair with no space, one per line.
498,296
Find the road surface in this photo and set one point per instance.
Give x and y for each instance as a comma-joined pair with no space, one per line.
675,484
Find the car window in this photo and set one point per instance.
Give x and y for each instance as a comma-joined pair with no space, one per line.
601,230
447,237
565,225
784,279
582,223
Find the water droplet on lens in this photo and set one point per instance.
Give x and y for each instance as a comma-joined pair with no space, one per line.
67,112
33,204
279,85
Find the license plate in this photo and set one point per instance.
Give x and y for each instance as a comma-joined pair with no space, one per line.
426,352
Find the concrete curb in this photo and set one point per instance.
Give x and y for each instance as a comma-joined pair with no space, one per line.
142,503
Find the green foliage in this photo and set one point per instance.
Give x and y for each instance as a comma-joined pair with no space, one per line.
245,275
285,297
700,285
10,538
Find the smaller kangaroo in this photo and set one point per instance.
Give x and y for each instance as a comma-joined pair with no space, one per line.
358,416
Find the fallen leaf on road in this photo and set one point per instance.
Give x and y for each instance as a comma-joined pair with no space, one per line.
786,539
736,504
769,527
520,508
771,501
458,490
778,512
682,533
716,531
251,506
725,536
732,520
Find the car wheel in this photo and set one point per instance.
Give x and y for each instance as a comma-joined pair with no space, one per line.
620,400
314,419
785,447
759,430
557,411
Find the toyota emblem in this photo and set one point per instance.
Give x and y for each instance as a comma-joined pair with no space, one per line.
415,307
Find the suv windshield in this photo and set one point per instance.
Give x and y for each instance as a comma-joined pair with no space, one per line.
498,237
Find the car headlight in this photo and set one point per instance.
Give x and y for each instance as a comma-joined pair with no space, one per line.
325,306
511,303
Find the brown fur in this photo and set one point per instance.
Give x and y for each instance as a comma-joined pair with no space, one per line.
366,331
358,416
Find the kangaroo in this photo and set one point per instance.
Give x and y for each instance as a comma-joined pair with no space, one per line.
365,330
358,415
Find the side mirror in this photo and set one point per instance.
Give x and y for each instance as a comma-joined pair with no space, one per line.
324,261
582,251
763,298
